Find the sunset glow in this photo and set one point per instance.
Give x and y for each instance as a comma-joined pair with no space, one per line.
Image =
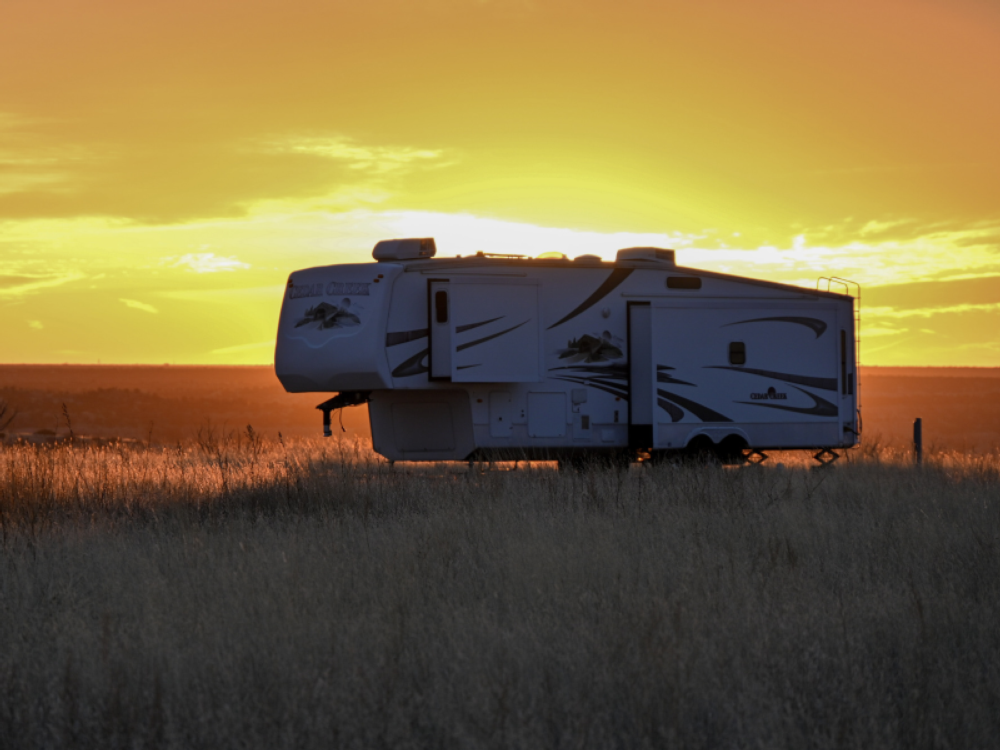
163,167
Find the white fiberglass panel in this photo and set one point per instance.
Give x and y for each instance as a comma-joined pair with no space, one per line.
745,363
495,332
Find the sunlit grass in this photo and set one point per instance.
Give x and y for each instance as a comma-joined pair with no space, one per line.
234,592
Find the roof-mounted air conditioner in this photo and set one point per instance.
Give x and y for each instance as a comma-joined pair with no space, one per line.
655,254
410,249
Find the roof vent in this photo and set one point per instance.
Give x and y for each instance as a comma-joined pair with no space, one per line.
412,249
654,254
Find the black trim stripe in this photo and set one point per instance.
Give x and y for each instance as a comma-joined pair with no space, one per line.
815,325
470,326
702,412
470,344
621,393
395,338
615,278
413,366
827,384
676,415
613,370
662,377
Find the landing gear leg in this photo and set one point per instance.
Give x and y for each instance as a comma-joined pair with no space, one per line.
826,457
345,398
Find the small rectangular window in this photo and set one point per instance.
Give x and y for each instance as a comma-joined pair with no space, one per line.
737,353
441,306
683,282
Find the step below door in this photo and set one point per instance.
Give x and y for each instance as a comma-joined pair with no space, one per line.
641,376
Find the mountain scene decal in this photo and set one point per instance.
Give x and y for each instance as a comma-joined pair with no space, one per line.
324,315
593,348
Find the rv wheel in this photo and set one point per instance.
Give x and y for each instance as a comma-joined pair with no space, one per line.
730,450
701,450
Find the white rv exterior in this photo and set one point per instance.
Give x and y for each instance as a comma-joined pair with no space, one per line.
523,358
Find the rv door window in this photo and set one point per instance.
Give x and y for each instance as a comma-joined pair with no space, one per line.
441,306
737,353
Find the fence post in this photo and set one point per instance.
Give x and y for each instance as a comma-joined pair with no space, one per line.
918,440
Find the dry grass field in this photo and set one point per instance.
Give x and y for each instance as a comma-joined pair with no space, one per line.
242,593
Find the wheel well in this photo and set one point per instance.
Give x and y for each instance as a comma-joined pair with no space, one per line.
730,449
701,442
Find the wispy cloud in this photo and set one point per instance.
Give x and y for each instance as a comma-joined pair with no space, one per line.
371,159
927,312
875,331
935,254
136,305
23,287
207,263
36,325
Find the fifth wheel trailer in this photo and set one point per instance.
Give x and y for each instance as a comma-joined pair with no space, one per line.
488,356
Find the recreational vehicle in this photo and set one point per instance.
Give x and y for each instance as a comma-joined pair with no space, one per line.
511,357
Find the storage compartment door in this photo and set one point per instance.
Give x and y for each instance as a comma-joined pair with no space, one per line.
496,332
641,375
441,328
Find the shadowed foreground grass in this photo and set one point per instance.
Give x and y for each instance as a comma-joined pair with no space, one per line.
244,594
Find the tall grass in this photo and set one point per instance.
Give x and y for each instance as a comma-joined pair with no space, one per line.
240,593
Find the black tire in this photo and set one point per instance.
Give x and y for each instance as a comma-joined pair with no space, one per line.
701,450
730,451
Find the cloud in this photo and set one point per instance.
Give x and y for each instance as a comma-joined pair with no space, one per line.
136,305
927,253
373,159
20,287
927,312
36,324
48,173
873,331
208,263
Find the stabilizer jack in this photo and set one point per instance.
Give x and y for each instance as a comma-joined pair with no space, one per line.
345,398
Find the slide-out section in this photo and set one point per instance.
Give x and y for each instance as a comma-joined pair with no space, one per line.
768,369
484,330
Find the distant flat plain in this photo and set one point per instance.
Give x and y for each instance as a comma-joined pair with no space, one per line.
960,406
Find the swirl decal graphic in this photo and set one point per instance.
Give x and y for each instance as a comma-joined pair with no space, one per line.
827,384
815,325
615,278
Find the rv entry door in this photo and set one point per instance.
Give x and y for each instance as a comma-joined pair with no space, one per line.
641,375
441,327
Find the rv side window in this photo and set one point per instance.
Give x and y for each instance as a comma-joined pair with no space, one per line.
441,307
683,282
737,353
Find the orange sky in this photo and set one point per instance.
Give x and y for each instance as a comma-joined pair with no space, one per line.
163,166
